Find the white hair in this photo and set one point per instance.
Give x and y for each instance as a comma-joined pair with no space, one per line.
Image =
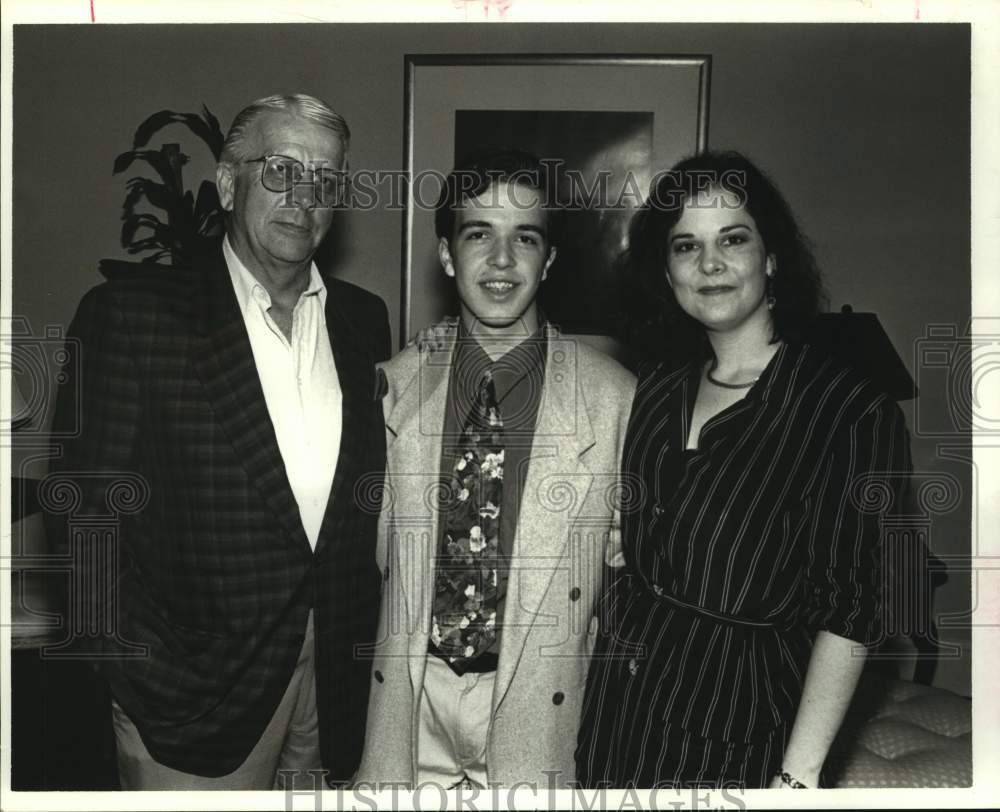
308,107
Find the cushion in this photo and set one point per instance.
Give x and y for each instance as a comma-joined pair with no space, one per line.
898,734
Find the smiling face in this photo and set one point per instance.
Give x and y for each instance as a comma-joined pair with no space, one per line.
278,232
717,265
499,255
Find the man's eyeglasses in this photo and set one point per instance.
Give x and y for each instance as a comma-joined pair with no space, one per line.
279,173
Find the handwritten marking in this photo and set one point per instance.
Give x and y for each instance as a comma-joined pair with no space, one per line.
92,11
917,15
501,6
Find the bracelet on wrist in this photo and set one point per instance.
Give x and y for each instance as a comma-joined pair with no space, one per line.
789,781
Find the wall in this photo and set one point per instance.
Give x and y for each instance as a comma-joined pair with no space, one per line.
865,128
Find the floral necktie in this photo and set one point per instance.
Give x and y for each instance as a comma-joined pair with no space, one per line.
465,594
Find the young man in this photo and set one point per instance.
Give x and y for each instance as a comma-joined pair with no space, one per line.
503,456
240,391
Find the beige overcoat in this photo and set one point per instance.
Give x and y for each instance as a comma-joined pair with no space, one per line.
563,540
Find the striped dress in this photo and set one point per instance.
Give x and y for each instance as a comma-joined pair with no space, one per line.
737,554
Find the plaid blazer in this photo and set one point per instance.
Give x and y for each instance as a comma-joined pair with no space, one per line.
215,575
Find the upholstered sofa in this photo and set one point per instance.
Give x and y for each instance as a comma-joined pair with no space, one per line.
900,734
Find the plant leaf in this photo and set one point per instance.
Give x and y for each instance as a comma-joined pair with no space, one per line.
145,219
156,159
144,244
218,137
157,194
137,221
187,225
207,129
134,194
208,200
213,225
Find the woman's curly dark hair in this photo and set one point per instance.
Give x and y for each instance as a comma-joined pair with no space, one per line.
654,324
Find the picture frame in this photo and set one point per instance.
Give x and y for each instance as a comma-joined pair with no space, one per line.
553,93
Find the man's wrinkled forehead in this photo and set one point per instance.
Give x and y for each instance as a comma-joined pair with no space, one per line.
288,133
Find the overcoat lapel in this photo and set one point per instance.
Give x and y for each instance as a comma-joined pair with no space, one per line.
563,435
417,421
555,488
356,373
224,362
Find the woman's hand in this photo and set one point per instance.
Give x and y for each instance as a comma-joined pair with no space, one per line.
810,780
614,556
834,667
434,337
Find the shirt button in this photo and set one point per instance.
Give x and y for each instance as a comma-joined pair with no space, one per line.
633,667
558,697
385,575
574,594
378,677
658,590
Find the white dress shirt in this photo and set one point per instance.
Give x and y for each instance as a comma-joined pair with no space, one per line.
301,387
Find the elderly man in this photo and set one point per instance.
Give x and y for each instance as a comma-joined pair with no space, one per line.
241,391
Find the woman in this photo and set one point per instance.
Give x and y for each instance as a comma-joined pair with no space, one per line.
733,639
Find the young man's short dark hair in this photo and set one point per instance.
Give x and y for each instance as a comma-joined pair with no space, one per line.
474,175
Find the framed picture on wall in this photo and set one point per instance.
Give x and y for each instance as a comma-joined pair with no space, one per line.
606,124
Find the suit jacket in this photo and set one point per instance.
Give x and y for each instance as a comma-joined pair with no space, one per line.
555,575
215,575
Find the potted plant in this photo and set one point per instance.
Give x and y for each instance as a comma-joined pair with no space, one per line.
187,226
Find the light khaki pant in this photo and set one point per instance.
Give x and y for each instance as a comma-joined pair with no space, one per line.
455,716
289,742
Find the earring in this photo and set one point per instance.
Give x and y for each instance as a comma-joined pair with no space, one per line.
770,298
